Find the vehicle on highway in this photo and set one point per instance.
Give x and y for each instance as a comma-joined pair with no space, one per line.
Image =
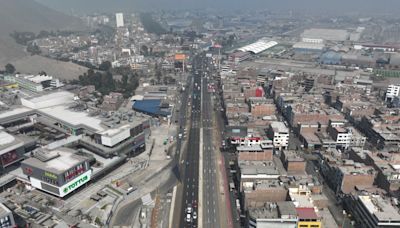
189,209
180,135
194,215
188,218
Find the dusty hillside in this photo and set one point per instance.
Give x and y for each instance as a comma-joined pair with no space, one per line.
28,15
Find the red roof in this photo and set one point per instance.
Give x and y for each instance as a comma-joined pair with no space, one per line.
306,213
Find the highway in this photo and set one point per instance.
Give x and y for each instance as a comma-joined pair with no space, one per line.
190,158
211,217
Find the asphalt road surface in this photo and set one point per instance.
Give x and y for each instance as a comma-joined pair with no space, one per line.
210,185
190,163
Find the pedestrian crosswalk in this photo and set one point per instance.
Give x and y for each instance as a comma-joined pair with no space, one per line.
147,200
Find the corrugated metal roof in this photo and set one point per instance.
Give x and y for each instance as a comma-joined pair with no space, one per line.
150,107
258,46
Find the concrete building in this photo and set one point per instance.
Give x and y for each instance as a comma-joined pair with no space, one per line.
279,134
392,92
108,136
6,217
293,163
372,211
119,17
58,172
275,214
343,176
238,57
34,83
325,34
12,149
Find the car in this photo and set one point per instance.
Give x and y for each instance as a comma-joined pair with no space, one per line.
188,218
189,209
194,215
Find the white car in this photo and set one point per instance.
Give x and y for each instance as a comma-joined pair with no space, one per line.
194,215
189,209
188,218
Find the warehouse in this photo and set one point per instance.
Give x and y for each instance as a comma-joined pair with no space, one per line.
331,58
308,48
258,47
326,34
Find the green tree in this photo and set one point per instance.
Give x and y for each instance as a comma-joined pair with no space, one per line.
105,66
10,69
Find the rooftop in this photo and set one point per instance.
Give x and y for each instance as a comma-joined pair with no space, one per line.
56,161
380,207
279,127
326,34
8,142
284,209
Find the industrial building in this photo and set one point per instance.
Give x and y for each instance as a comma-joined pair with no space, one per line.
331,58
308,48
258,47
325,34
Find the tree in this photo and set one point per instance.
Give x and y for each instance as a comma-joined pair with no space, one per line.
10,69
105,66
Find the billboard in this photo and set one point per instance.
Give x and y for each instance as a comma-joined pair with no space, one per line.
8,158
180,57
66,188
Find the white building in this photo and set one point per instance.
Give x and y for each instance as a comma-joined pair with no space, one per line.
120,19
312,40
392,92
279,134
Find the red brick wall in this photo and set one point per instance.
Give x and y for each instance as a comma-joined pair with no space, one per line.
255,156
350,181
258,198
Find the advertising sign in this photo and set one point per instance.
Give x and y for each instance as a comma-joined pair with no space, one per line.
75,183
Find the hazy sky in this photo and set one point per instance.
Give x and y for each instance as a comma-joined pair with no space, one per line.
341,6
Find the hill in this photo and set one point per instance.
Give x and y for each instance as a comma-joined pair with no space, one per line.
29,16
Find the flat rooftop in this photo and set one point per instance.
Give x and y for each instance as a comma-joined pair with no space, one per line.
279,127
56,161
9,142
380,207
283,209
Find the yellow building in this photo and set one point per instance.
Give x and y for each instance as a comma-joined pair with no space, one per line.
308,218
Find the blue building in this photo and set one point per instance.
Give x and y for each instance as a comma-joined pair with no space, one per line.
331,58
153,107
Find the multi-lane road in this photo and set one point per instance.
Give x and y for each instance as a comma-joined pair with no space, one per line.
198,159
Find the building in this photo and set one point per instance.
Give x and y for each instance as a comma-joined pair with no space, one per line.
6,217
308,218
325,34
12,149
275,214
392,92
343,175
259,46
238,57
292,162
58,172
308,48
34,83
112,101
372,211
331,58
118,133
279,134
119,17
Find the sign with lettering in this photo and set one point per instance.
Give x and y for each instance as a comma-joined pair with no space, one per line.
75,183
50,175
